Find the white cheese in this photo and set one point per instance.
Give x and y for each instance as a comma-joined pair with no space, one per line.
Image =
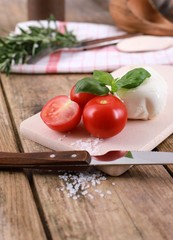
148,99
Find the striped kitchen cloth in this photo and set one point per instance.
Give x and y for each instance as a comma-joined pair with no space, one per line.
107,58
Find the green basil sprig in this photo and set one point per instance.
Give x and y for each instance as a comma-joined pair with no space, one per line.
133,78
89,85
101,83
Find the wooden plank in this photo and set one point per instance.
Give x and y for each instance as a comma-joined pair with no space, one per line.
139,207
147,193
166,146
87,217
18,215
136,207
7,139
19,218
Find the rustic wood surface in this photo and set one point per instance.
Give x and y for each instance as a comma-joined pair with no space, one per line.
31,206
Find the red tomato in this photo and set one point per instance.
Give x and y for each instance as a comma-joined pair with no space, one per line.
104,116
61,114
81,98
111,156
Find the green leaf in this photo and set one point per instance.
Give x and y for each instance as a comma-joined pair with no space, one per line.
89,85
133,78
129,155
114,87
103,77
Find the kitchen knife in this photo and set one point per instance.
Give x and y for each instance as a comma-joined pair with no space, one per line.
81,46
75,160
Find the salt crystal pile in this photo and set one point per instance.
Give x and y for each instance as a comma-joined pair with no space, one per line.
79,184
92,145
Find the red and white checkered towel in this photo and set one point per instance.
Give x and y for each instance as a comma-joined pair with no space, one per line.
106,58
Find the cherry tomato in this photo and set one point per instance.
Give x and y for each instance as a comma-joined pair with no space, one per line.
104,116
61,114
81,98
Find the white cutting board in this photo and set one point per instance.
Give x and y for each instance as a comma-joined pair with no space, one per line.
137,135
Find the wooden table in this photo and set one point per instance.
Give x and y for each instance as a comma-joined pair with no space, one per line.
137,205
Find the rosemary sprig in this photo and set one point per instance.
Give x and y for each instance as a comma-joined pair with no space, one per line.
17,48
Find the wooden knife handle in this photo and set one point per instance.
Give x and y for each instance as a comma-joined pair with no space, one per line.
45,159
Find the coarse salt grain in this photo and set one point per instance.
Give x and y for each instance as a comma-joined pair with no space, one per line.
90,196
78,184
64,136
84,192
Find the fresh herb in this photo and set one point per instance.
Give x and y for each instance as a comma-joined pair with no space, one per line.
129,154
133,78
91,86
102,83
17,48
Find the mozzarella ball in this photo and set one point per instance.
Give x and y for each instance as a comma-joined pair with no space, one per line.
148,99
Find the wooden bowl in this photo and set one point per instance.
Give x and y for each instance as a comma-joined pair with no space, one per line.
140,16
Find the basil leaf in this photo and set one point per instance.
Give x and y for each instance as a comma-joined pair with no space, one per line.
114,87
133,78
103,77
89,85
129,155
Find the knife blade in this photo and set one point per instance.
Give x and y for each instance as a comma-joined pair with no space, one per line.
64,160
138,158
